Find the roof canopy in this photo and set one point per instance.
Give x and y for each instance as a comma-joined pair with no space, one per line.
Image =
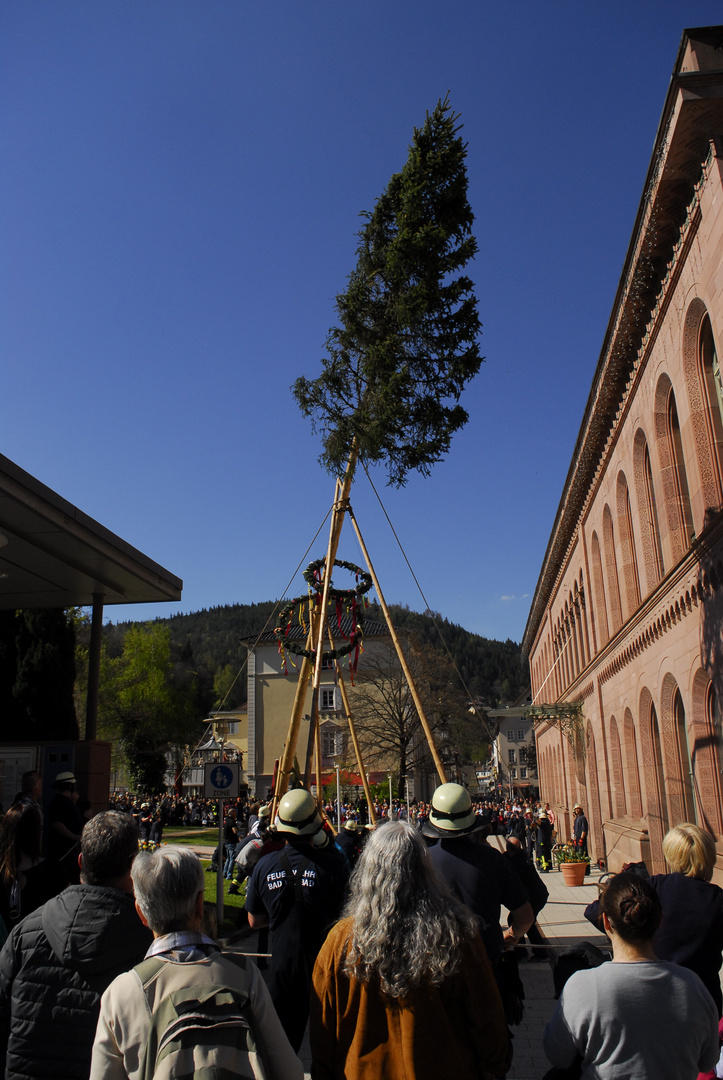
53,555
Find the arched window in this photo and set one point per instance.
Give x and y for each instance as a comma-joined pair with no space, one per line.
680,475
661,801
599,590
704,383
659,565
686,768
628,555
713,381
617,769
631,760
647,511
611,570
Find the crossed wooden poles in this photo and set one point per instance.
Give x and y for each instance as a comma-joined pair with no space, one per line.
318,632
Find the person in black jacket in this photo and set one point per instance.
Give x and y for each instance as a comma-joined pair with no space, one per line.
536,890
58,961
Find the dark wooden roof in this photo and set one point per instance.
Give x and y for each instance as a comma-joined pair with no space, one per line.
54,555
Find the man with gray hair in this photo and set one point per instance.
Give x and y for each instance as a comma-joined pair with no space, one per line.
188,1003
58,961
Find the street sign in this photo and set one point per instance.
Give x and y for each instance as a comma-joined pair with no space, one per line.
221,780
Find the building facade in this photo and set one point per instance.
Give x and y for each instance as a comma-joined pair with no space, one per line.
624,636
513,765
272,678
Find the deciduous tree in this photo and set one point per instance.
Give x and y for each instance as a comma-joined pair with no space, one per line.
387,721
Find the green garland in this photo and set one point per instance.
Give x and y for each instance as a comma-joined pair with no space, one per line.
338,596
312,580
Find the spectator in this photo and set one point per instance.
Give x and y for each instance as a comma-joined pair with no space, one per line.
691,931
169,891
297,891
477,874
537,892
65,825
27,880
638,1016
58,961
402,986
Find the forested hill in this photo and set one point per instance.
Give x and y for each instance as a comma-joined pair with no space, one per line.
209,642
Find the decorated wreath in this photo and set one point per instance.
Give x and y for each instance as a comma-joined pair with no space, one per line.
342,598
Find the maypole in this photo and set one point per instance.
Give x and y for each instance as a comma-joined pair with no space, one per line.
395,369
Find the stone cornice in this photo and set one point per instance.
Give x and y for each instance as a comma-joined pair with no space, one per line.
664,229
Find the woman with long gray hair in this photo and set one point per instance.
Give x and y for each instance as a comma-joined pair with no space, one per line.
402,986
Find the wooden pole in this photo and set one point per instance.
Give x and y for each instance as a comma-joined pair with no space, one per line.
287,757
355,744
402,659
341,502
317,757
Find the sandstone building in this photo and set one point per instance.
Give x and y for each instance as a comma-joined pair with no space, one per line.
624,634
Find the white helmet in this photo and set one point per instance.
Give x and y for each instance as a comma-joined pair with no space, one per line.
451,813
298,814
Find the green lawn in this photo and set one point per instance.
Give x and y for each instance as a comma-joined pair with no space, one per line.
232,904
179,834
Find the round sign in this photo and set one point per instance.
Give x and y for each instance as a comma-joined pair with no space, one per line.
222,777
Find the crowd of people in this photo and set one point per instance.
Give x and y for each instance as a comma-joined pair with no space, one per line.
386,939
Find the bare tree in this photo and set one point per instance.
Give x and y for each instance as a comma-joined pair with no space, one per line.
387,721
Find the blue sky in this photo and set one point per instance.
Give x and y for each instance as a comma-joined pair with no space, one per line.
180,189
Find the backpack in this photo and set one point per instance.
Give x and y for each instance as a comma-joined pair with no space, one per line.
198,1029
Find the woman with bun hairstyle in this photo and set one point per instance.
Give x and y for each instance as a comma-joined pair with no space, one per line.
638,1016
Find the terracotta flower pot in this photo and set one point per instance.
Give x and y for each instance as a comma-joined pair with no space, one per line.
573,872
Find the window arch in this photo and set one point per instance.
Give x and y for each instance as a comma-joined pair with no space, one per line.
711,367
680,475
647,512
686,767
617,769
603,632
628,556
707,752
678,792
656,810
611,570
704,382
673,476
631,759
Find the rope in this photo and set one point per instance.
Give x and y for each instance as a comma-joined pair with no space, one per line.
466,689
271,617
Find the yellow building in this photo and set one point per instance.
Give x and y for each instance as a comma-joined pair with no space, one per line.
272,679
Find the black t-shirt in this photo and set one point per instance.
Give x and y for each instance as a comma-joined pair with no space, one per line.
323,881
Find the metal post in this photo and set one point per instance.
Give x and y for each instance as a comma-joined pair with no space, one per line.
338,799
96,634
390,797
219,870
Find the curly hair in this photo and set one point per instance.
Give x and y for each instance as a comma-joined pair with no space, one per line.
407,928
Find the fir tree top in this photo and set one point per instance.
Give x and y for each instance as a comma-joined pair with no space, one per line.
407,342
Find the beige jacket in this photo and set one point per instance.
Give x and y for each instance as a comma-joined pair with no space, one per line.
124,1021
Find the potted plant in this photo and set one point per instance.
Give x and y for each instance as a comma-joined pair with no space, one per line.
572,862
